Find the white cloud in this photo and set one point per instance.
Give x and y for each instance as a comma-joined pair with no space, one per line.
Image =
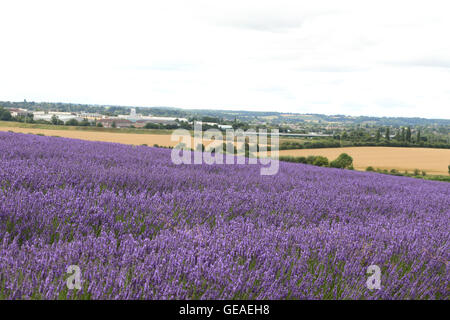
346,57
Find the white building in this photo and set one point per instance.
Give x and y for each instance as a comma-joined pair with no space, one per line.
18,112
63,116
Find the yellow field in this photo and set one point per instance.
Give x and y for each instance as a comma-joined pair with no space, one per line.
432,161
125,138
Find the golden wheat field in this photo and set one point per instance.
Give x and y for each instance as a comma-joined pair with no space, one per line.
125,138
432,161
149,139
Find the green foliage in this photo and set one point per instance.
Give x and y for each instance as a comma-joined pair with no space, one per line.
313,160
344,161
378,136
72,122
370,169
395,172
417,174
54,119
85,123
5,115
408,134
310,159
150,125
293,159
320,161
288,145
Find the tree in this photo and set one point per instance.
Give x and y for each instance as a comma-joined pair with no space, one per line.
418,136
344,161
85,123
408,134
54,119
403,136
113,125
378,136
72,122
388,133
5,115
397,135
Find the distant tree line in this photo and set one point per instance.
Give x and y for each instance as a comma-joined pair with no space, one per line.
344,161
415,174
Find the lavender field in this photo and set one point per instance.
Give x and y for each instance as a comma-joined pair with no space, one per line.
140,227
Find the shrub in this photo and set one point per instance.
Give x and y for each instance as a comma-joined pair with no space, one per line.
150,125
395,172
343,161
72,122
310,159
369,168
416,172
301,159
320,161
294,159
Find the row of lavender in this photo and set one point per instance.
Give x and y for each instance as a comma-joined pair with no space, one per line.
140,227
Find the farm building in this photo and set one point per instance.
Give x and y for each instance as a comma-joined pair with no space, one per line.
17,112
119,123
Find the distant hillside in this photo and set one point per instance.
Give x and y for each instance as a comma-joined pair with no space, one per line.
248,116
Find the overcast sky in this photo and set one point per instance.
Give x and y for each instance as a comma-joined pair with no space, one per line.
382,58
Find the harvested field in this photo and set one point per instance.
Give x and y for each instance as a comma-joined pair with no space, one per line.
432,161
140,138
125,138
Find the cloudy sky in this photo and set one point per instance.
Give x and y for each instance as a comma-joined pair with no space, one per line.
383,58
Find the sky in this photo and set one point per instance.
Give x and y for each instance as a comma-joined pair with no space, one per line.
376,58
